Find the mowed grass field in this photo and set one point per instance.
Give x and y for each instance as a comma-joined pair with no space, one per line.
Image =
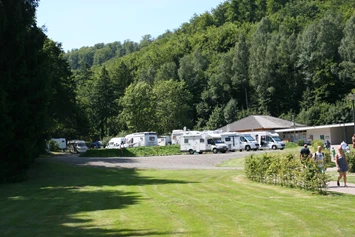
63,200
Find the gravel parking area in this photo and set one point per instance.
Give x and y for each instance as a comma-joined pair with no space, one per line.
200,161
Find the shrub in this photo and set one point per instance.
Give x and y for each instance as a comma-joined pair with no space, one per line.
317,143
54,146
291,144
279,169
351,161
300,142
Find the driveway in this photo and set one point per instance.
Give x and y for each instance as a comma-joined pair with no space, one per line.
175,162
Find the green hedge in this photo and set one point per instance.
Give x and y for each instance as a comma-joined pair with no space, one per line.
288,171
134,152
351,161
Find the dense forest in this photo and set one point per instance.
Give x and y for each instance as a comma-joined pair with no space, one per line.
285,58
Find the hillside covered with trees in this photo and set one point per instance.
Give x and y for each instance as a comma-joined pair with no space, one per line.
275,57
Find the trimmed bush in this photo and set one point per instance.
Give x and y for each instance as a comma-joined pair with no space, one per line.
288,171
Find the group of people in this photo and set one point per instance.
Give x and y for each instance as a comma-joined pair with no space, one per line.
319,158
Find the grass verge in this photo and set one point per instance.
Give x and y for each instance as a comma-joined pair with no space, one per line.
134,152
61,200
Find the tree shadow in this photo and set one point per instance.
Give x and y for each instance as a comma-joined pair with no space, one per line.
51,202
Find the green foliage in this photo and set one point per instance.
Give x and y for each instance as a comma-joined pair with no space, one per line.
139,103
134,152
300,142
54,146
351,161
172,105
26,88
244,57
279,169
291,145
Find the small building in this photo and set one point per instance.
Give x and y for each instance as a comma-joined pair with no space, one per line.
290,131
259,123
335,133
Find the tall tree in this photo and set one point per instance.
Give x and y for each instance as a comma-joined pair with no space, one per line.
347,52
240,78
62,108
259,70
25,89
103,101
172,105
139,103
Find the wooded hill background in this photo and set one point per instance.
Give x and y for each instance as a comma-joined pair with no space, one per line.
275,57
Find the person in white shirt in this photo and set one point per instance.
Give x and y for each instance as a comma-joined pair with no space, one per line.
343,145
319,158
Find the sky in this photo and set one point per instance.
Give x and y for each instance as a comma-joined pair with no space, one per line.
79,23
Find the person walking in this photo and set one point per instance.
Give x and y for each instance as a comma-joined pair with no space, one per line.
342,165
319,158
305,153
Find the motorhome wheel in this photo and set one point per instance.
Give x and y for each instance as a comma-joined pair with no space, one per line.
274,147
215,150
247,148
191,151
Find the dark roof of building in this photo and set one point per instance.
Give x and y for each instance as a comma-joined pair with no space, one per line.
258,122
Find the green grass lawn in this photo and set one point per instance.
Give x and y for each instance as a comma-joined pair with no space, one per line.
63,200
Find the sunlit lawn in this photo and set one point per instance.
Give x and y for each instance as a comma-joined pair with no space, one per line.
61,200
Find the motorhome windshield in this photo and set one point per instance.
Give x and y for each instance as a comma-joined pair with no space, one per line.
276,139
218,141
249,138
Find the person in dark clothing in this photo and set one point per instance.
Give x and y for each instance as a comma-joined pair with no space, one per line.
305,153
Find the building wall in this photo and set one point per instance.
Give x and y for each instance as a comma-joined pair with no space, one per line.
293,136
323,134
334,134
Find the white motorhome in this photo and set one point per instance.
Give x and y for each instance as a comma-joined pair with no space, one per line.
77,146
268,140
247,142
62,142
175,136
201,142
116,143
142,139
164,140
232,139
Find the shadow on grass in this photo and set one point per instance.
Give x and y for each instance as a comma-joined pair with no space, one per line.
57,196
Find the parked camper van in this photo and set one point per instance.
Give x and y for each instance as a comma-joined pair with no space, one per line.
77,146
268,140
232,140
164,140
176,135
62,142
247,142
116,143
201,142
142,139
